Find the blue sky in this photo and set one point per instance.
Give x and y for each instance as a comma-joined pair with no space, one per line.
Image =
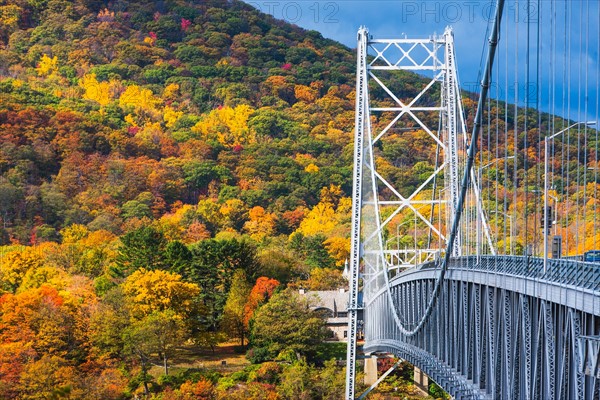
567,31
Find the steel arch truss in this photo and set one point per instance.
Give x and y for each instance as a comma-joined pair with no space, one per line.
500,330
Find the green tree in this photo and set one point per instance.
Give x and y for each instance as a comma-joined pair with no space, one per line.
136,209
330,382
212,267
287,323
312,249
141,248
297,382
235,310
161,333
178,257
10,197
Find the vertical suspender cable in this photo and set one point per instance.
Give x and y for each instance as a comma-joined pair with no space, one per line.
525,142
515,123
596,165
577,177
585,128
507,250
538,86
568,103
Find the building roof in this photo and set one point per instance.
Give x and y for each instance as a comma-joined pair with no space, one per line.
335,300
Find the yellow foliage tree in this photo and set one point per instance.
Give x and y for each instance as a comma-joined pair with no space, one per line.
47,66
85,252
171,116
74,233
140,99
331,215
331,194
151,291
150,134
339,249
305,93
130,119
311,168
9,16
304,159
234,212
325,279
261,223
16,264
227,125
43,378
321,219
45,275
171,91
94,90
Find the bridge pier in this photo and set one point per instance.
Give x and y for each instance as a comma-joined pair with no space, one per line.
421,381
370,370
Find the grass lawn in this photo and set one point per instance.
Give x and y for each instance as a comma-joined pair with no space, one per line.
199,358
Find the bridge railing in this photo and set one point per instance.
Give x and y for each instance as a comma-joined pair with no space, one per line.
584,275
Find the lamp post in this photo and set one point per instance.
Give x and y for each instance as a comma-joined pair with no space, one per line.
510,227
555,221
397,238
398,233
587,123
478,227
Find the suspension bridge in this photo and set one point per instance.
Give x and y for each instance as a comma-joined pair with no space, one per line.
473,267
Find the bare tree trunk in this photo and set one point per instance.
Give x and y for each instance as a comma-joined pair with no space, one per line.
145,376
165,364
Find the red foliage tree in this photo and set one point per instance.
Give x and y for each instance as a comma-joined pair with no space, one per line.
261,292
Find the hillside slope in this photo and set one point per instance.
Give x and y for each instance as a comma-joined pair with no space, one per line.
113,114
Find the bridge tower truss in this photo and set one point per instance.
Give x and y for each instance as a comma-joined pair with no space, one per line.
400,117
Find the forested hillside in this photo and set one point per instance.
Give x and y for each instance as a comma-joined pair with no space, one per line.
167,168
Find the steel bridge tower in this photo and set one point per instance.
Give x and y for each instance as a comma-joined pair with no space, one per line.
386,119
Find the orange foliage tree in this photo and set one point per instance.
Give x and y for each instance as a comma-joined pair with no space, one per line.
261,292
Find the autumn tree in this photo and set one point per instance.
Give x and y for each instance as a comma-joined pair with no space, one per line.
50,377
325,279
227,125
140,99
163,309
47,65
261,224
150,291
37,324
201,390
339,249
100,92
235,312
261,292
16,263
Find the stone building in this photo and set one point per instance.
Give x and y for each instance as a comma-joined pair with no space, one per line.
334,305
